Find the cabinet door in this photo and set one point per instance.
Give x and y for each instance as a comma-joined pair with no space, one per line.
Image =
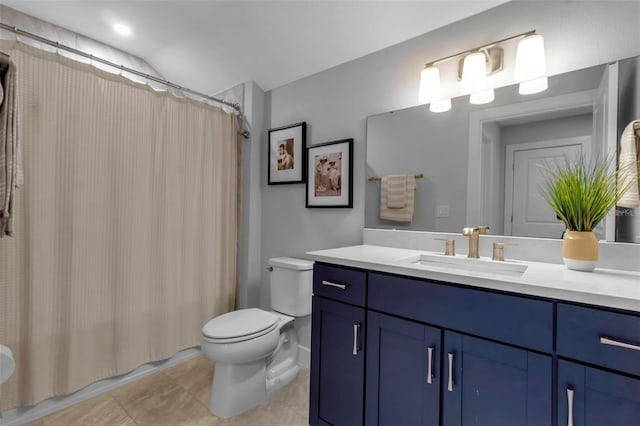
486,383
590,397
337,363
403,372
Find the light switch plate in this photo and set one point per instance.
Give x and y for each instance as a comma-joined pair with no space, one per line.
443,211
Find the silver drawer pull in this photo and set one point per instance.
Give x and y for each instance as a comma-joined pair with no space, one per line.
450,382
329,283
570,407
356,329
607,341
430,364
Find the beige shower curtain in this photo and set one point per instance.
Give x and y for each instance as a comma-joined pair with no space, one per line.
126,226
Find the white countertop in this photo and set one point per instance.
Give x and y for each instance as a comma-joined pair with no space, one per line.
602,287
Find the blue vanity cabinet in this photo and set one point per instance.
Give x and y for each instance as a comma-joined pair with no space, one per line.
487,383
593,397
403,372
491,370
437,353
337,347
599,373
515,320
610,339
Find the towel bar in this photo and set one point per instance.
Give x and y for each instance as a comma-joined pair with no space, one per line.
377,179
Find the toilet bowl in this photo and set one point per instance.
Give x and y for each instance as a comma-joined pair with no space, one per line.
257,338
256,351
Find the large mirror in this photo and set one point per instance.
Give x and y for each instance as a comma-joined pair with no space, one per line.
475,161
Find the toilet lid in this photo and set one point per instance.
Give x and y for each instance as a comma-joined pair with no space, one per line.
242,323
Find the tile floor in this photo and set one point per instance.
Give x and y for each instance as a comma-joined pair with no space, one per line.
179,396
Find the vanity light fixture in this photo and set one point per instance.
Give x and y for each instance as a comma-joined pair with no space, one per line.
474,73
429,84
475,65
531,65
474,78
441,105
429,91
482,97
533,86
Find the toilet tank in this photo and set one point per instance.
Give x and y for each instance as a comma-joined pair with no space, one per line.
291,285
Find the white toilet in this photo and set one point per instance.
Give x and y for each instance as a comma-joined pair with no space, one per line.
256,351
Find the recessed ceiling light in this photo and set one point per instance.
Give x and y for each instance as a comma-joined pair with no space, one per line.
122,29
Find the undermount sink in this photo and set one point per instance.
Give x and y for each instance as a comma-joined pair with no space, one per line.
461,262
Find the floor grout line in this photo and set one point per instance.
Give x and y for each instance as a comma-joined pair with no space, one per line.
123,409
193,396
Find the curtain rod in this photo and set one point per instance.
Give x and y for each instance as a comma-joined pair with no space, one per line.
167,83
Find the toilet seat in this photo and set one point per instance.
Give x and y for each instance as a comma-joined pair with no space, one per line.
238,326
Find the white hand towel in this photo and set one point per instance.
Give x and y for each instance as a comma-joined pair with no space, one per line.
404,214
628,166
396,187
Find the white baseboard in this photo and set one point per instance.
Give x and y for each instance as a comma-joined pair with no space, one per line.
22,415
304,356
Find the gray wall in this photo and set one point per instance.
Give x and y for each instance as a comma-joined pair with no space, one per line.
249,262
559,128
414,141
336,102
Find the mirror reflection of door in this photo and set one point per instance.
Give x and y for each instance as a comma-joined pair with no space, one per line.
527,214
518,208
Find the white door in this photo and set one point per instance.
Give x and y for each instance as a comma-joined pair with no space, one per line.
527,214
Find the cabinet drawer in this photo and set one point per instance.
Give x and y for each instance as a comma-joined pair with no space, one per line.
342,284
581,329
510,319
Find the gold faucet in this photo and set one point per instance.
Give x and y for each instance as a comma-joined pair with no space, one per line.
474,239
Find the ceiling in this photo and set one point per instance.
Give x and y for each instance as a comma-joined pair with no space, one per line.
213,45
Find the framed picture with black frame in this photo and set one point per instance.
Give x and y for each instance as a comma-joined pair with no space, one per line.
330,174
287,154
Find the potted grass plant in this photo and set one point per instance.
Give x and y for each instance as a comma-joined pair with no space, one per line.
581,193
